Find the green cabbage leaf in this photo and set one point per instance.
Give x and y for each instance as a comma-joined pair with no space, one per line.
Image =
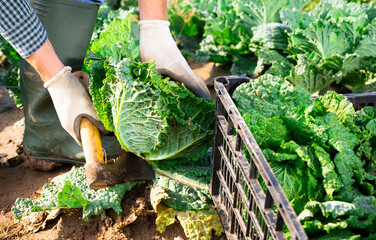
70,190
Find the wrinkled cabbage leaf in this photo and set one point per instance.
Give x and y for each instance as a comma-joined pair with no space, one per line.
70,190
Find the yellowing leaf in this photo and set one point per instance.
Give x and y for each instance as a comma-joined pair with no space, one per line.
197,225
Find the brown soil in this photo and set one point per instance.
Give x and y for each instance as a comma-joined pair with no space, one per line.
18,181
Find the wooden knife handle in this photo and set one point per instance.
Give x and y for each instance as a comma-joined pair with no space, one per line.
91,142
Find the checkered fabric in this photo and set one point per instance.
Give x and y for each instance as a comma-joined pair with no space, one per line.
20,26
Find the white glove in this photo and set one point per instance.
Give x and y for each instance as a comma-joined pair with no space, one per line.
157,43
71,102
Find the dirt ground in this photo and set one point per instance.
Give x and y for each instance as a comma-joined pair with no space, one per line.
17,181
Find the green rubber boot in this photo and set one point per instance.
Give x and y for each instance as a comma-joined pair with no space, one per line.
46,144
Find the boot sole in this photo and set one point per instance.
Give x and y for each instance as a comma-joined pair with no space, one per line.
46,163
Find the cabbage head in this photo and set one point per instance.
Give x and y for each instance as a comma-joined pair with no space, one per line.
151,116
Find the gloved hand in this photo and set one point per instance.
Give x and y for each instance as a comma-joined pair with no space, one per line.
157,43
71,102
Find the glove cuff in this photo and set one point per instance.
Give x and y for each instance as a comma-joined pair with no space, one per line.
57,77
153,23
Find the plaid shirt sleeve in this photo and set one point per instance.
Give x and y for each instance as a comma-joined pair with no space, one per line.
20,26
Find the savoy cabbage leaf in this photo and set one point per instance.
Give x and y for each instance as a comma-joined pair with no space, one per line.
271,35
296,19
365,120
322,38
367,45
70,190
194,174
269,132
289,178
278,65
364,116
340,217
337,104
270,96
183,197
331,182
186,17
306,75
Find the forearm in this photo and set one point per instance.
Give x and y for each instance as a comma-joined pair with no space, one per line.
45,61
153,9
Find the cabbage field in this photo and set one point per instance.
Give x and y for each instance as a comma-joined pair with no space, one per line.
322,151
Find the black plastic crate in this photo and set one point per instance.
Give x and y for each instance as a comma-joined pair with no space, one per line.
246,211
361,100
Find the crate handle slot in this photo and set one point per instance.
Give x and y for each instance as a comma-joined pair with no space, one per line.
253,172
279,223
222,80
239,143
269,202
